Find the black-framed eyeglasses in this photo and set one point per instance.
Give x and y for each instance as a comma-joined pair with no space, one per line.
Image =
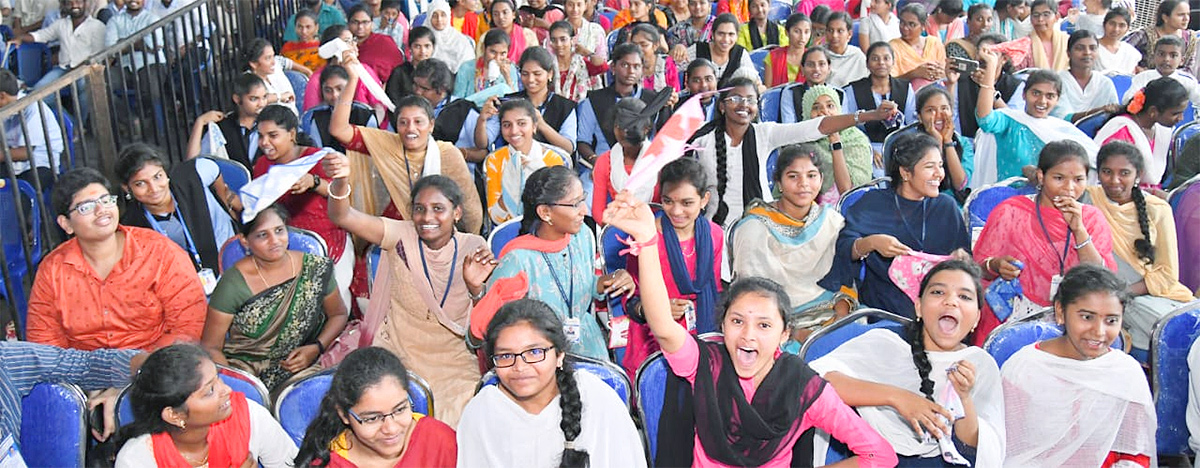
577,205
375,420
85,208
530,356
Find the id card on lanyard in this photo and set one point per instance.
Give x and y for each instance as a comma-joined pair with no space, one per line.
1062,259
572,326
208,279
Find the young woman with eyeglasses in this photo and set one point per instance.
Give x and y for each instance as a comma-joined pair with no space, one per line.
367,419
518,422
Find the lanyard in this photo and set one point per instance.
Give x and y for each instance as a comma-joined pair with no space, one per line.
449,279
1062,260
904,219
568,295
187,234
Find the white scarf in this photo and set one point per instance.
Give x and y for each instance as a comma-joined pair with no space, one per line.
617,176
264,190
1072,413
1156,158
1047,129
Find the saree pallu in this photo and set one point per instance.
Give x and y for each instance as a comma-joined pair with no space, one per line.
278,320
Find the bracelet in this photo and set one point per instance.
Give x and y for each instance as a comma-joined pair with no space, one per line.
476,298
1084,243
349,189
635,247
987,265
320,347
854,244
857,116
835,146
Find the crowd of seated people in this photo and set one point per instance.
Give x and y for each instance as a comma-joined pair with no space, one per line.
460,172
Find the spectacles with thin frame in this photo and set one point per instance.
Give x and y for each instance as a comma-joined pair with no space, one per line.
377,419
742,100
577,205
530,356
85,208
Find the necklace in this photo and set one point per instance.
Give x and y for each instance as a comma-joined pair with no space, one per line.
192,462
291,268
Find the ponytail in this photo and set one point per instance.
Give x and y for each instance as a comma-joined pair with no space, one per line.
571,420
916,339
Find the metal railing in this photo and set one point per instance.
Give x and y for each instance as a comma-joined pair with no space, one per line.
147,87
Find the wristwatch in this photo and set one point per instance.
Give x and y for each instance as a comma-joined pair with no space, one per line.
835,146
316,183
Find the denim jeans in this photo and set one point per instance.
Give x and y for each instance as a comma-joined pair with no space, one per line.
81,85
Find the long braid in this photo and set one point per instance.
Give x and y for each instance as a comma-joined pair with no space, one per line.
916,339
572,415
1144,247
722,174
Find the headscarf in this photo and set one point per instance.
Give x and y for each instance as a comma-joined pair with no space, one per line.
856,147
453,47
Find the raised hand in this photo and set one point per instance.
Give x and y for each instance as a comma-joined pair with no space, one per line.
631,215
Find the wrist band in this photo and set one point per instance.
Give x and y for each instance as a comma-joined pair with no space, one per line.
1084,243
635,247
474,298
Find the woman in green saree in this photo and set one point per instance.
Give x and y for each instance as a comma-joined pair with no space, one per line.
274,312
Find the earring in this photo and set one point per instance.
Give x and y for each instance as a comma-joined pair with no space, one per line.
182,425
548,221
128,196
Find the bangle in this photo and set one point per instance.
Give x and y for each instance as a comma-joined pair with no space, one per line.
987,265
320,347
854,245
349,189
858,116
1084,243
835,146
987,86
477,297
635,247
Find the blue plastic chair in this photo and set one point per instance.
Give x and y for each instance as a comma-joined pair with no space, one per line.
609,13
373,255
890,140
238,380
1173,338
768,110
651,386
504,233
234,173
419,20
851,197
778,11
301,240
854,42
1009,338
612,39
1122,83
1091,124
32,60
772,160
1189,115
981,202
610,373
299,84
54,427
1179,139
826,339
299,402
759,57
14,241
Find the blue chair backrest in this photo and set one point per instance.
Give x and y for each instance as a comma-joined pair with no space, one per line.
1010,338
609,13
54,427
772,159
504,233
850,198
300,401
1174,336
981,202
11,232
890,140
373,255
825,340
612,39
651,384
419,20
299,84
301,240
1122,83
1091,124
779,11
768,111
1189,115
610,373
234,173
1179,140
237,380
31,62
610,248
854,34
759,58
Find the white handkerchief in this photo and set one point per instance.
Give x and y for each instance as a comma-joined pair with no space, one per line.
951,401
267,188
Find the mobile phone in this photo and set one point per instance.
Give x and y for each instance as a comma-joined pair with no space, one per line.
963,65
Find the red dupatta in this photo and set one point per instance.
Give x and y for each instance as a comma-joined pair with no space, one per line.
518,44
470,23
505,290
779,67
228,440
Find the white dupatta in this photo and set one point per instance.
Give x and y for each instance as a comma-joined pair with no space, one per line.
882,356
1067,412
617,176
1047,129
1156,158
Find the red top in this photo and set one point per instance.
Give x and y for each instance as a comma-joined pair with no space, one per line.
431,445
309,210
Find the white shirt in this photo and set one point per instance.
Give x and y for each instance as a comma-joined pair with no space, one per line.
1100,91
1142,79
268,443
495,431
37,148
1123,62
77,43
123,25
846,68
879,30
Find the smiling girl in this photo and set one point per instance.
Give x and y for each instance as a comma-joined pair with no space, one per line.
1148,122
366,419
1046,383
898,383
508,168
1049,232
711,416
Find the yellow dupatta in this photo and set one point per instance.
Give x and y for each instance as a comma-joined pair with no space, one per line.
1162,276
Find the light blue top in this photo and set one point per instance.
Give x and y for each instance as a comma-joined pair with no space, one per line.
850,105
1017,145
576,273
464,81
222,224
589,124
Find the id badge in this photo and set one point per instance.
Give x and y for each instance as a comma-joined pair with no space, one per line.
689,316
619,332
208,280
1054,282
573,329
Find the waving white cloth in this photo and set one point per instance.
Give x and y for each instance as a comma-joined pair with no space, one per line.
267,188
1067,412
617,176
882,356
